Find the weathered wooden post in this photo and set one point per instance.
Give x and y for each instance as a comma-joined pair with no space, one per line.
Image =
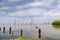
3,29
0,28
21,33
39,33
10,30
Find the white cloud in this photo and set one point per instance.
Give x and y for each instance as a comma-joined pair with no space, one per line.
34,4
2,12
1,3
59,1
28,12
59,6
38,3
36,10
13,0
46,3
52,14
18,13
4,8
19,7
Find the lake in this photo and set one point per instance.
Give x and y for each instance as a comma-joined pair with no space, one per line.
48,32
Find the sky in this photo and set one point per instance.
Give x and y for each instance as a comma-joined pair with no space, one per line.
39,9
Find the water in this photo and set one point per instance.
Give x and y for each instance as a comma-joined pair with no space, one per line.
48,32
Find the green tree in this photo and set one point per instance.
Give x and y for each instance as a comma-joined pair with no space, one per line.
56,22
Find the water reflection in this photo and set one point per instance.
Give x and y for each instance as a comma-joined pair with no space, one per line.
56,27
49,32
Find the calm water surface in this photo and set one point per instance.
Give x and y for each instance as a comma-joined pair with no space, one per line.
48,32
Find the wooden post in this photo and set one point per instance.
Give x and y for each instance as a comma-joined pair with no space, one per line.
3,29
10,30
21,33
0,28
39,31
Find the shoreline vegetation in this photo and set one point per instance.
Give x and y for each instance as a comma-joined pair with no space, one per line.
56,24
